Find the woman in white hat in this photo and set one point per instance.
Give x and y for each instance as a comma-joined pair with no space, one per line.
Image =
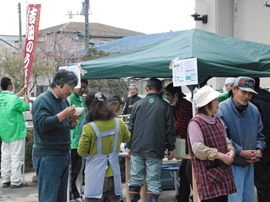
210,150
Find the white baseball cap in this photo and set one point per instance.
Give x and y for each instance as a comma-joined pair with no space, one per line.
205,95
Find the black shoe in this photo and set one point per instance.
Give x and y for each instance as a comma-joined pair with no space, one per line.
77,200
6,185
19,186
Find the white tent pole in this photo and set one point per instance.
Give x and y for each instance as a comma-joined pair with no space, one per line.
193,114
24,145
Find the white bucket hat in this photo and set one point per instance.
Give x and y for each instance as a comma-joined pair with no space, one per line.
205,95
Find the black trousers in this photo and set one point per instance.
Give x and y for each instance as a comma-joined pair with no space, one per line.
262,177
76,164
217,199
184,185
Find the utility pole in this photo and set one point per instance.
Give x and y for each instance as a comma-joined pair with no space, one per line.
20,25
86,25
85,9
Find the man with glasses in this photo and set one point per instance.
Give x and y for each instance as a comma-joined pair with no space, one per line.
53,118
131,100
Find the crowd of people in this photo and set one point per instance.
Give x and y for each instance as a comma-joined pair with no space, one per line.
227,140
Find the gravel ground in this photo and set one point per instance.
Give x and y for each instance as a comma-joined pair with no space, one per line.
30,193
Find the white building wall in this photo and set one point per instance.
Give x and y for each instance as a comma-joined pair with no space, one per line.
207,7
253,21
225,17
252,24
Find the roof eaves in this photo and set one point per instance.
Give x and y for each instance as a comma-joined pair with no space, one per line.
8,43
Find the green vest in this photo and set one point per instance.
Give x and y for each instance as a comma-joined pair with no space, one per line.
78,102
12,126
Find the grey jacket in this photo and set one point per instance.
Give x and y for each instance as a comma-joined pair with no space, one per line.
152,127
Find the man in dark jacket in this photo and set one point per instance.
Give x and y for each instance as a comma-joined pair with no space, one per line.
262,168
152,131
131,100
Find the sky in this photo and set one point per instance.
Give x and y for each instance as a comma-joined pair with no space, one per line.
146,16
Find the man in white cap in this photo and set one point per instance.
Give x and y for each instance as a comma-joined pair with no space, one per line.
228,84
243,126
227,89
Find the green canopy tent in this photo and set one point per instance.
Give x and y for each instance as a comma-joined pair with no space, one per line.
218,56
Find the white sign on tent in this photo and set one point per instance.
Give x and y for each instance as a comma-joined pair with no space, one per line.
185,72
76,70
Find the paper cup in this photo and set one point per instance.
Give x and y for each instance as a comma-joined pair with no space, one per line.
79,110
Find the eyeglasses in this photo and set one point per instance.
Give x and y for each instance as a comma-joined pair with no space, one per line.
71,89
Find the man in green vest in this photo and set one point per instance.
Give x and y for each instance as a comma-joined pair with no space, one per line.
77,163
227,89
12,132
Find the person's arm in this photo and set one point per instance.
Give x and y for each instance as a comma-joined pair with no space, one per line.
125,131
255,155
67,112
260,137
81,128
238,148
200,150
85,141
170,155
73,121
231,150
21,92
229,145
131,127
43,118
21,105
225,158
125,108
131,124
170,129
182,117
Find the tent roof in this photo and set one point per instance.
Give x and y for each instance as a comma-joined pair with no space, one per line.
218,56
133,42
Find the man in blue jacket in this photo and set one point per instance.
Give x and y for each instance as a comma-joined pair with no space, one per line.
243,126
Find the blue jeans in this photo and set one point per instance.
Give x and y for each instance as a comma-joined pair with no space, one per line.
138,165
52,174
244,181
